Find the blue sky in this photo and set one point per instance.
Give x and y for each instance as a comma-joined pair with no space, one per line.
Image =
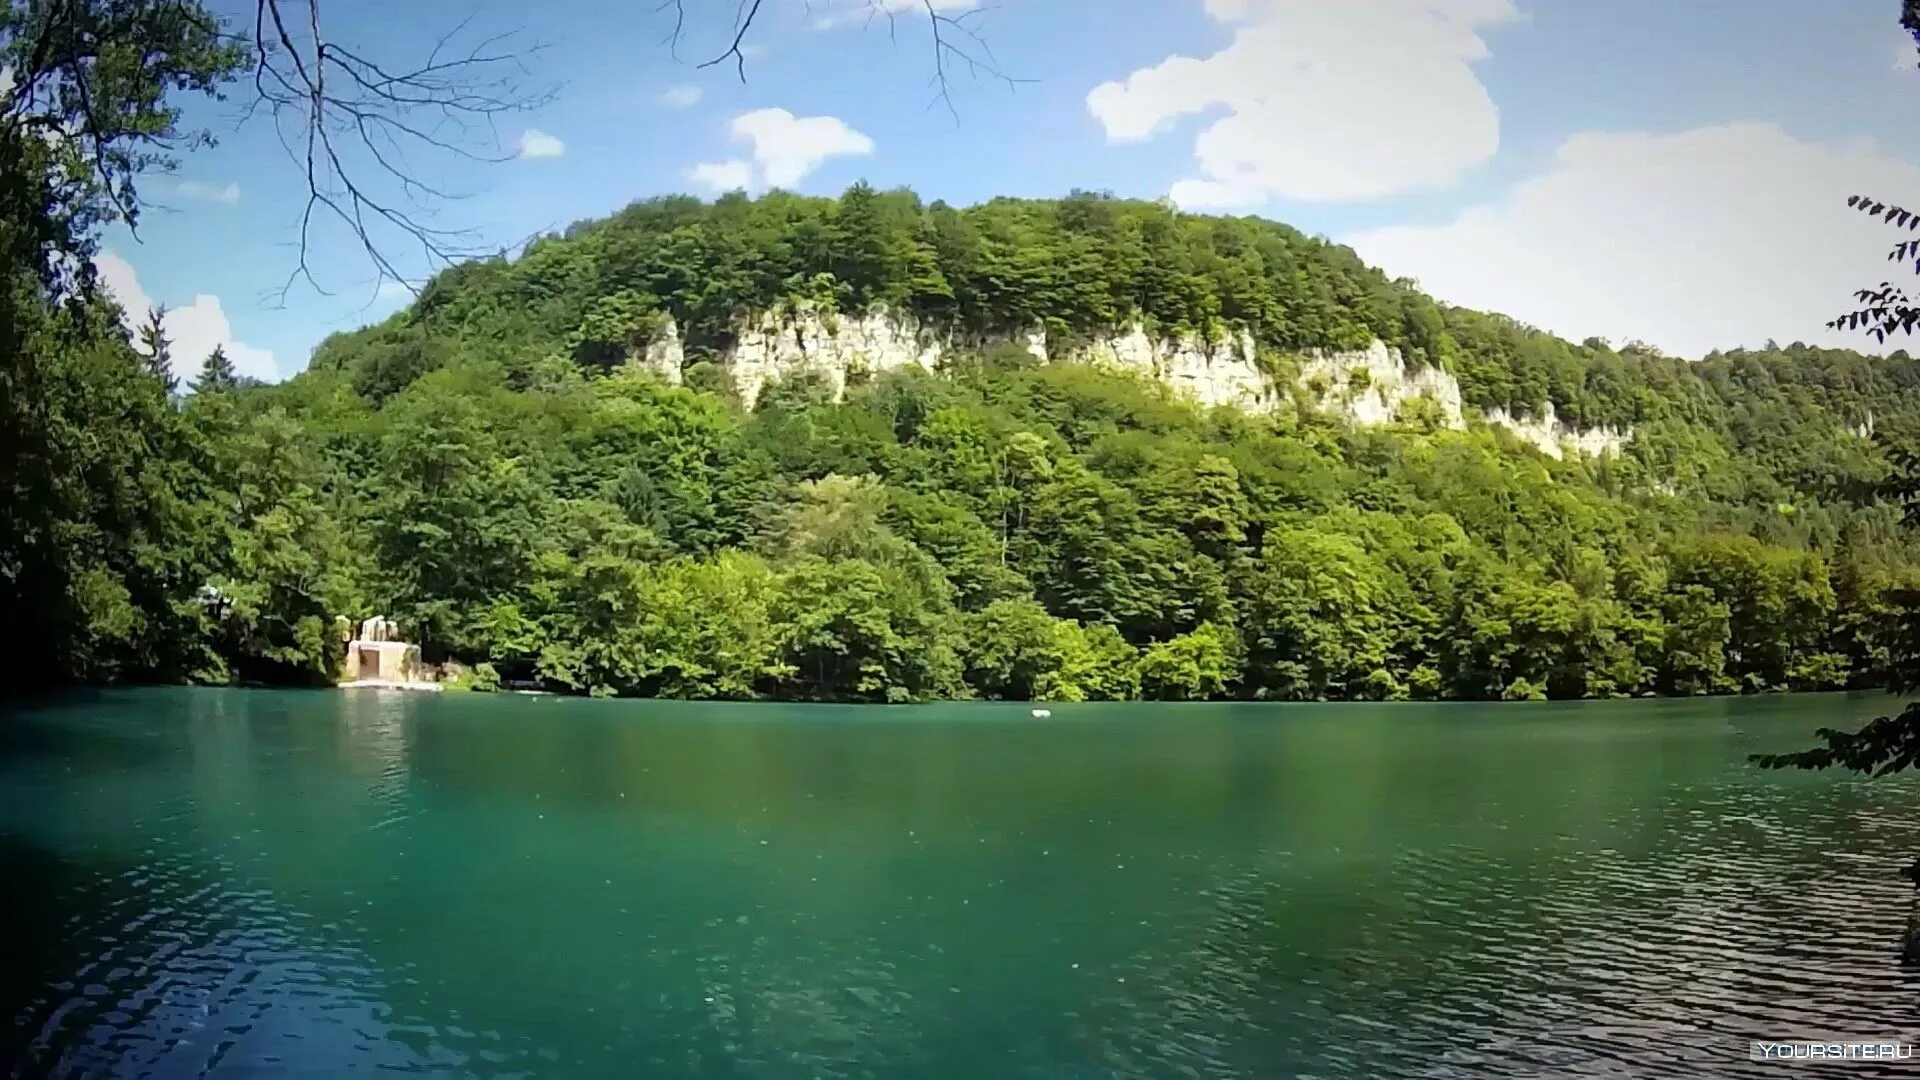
1646,169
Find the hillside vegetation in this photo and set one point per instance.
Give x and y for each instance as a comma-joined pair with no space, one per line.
489,468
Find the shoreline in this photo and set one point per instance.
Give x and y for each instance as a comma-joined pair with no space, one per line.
429,687
374,684
388,684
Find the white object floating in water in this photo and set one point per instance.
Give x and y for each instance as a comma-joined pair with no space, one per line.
1043,713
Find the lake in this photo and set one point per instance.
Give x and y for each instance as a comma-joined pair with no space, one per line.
235,882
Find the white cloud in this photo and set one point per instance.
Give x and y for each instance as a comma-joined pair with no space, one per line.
201,189
1202,195
785,149
535,143
1711,238
681,97
1323,100
1905,59
195,329
722,175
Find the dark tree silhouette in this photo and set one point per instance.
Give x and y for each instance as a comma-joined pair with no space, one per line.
1885,308
1888,744
1888,308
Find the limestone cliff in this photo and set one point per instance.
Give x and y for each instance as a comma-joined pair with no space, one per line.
837,347
1368,386
1373,385
1551,436
843,348
1211,373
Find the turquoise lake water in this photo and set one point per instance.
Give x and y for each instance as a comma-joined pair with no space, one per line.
243,883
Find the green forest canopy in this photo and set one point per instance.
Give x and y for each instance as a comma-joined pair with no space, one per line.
489,469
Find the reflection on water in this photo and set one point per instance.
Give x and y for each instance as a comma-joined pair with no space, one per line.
231,883
179,974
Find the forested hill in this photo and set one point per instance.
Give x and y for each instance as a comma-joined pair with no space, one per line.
1087,265
504,469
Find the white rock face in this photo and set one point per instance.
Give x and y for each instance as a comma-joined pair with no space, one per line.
1370,386
771,346
1132,351
1220,375
664,355
1385,384
1223,373
1036,342
1551,436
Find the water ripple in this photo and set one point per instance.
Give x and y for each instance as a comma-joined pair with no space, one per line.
477,893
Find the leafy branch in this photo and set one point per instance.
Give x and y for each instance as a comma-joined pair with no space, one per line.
1887,308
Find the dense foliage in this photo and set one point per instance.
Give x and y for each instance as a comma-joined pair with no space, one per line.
103,500
489,469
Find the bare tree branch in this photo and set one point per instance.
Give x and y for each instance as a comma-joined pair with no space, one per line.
347,118
365,133
957,44
353,122
971,51
672,40
741,26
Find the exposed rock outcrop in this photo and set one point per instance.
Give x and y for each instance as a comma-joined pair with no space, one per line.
1367,387
837,347
664,355
842,349
1551,436
1370,386
1211,373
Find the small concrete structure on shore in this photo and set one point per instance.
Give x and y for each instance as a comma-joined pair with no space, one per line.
376,658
